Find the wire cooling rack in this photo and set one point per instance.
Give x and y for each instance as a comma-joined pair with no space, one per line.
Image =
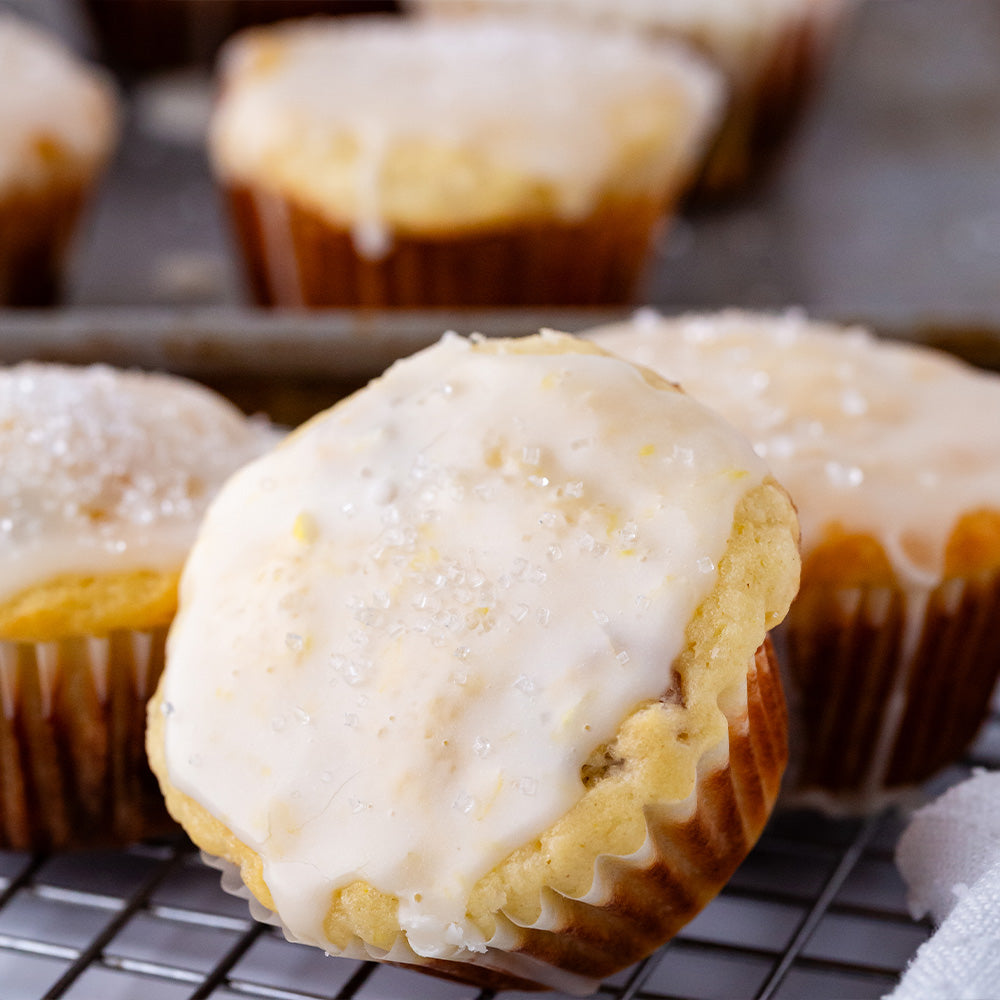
817,912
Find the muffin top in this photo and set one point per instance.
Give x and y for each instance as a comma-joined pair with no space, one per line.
405,632
57,114
874,437
428,127
728,28
107,472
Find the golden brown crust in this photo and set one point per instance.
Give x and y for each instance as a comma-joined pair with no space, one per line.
90,605
847,559
857,559
974,544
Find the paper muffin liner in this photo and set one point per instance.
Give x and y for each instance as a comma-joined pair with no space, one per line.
73,769
887,686
769,96
639,901
36,224
295,257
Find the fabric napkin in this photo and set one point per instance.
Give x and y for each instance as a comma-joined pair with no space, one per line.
950,859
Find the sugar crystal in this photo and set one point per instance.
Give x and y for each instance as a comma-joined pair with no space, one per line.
464,803
844,476
525,684
527,786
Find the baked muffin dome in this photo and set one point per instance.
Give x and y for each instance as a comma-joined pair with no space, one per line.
478,628
893,460
105,477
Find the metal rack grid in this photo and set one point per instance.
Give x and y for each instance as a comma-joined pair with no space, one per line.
817,911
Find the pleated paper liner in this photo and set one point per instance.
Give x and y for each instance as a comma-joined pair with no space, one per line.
639,901
887,687
295,257
73,770
36,224
768,101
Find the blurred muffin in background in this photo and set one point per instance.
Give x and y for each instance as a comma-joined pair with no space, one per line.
891,453
381,162
147,36
58,126
772,53
105,477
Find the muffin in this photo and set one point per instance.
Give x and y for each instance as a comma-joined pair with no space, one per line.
105,477
771,51
893,461
470,674
57,129
374,162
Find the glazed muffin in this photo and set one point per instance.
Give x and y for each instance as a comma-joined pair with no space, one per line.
892,457
470,674
772,53
391,163
57,129
105,477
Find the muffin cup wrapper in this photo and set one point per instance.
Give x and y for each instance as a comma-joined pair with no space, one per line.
297,258
770,92
36,225
73,769
638,901
887,686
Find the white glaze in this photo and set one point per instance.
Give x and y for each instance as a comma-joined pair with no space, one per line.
557,105
880,437
739,33
109,471
48,95
403,631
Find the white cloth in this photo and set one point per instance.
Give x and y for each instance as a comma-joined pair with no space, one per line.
950,859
